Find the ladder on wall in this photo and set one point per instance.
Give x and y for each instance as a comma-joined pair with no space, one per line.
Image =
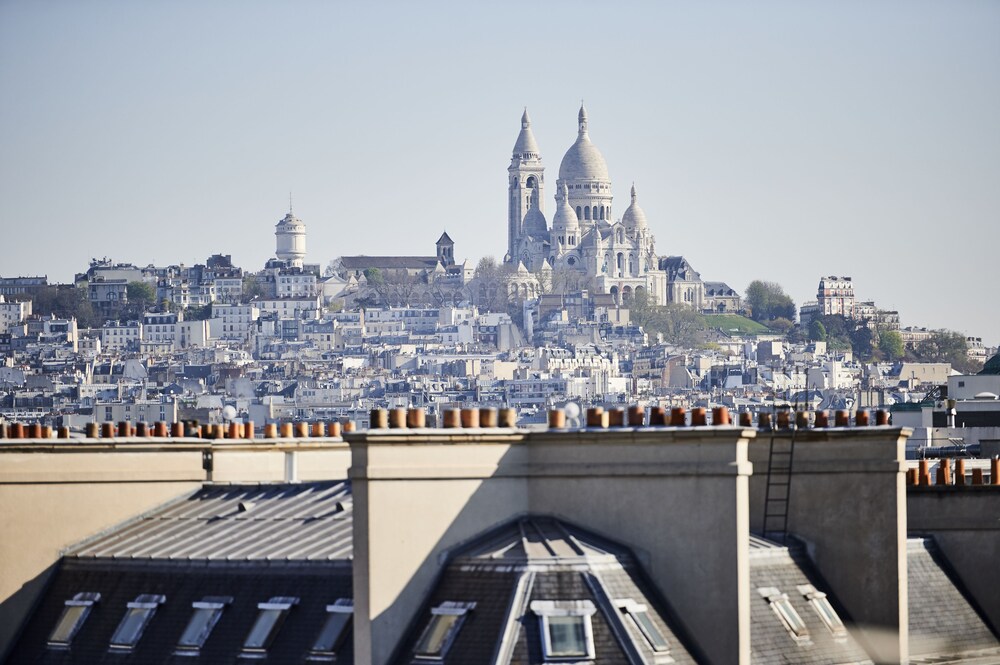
777,492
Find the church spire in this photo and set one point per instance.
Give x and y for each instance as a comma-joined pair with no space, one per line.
582,117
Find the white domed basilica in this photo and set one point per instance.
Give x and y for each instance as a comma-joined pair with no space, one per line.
618,255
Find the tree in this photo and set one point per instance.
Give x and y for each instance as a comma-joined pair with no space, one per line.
140,295
65,302
768,301
817,331
492,280
679,324
251,288
947,346
890,343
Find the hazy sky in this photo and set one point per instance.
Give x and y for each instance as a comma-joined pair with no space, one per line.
767,140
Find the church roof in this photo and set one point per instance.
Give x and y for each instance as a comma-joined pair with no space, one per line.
565,217
634,216
583,161
389,262
445,239
526,144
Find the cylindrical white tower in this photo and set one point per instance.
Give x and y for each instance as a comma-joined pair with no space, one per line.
290,237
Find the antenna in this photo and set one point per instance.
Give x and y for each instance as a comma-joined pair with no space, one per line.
289,202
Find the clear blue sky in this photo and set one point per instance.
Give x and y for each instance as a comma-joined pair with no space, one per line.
768,140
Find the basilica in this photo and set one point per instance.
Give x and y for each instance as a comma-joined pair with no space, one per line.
616,255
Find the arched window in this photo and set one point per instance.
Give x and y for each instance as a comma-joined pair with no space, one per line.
579,213
595,212
602,212
586,213
531,182
621,264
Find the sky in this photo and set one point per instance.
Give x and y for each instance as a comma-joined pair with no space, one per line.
780,141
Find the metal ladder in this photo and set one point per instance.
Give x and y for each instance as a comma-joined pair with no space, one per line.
778,489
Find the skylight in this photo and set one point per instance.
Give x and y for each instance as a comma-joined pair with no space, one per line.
206,614
824,609
331,636
440,633
639,614
566,627
783,608
77,609
137,616
266,627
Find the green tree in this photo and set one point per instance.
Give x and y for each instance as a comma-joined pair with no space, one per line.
947,346
140,292
890,343
817,331
251,288
768,301
679,324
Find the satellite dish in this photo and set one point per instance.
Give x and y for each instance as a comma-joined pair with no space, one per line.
572,410
228,412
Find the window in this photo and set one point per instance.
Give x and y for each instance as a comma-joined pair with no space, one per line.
446,619
639,615
266,627
783,608
77,609
331,636
824,609
138,614
206,614
566,628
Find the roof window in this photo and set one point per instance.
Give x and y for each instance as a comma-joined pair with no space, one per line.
783,608
446,619
824,609
266,627
206,614
137,616
331,636
566,628
639,615
72,618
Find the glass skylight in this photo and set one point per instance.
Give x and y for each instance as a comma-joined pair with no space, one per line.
437,638
782,606
137,616
206,614
268,623
821,604
639,614
76,612
331,636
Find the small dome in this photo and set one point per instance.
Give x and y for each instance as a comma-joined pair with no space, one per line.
534,222
564,218
583,161
526,144
634,217
290,220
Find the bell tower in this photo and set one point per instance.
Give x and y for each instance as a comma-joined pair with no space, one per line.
525,188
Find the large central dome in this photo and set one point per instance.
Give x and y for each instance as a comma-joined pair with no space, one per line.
583,161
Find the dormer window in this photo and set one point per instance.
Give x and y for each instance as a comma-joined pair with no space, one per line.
331,636
566,628
639,615
783,608
265,628
136,618
206,614
71,620
821,604
440,633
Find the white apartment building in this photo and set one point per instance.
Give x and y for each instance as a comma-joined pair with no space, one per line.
12,313
118,336
235,321
835,296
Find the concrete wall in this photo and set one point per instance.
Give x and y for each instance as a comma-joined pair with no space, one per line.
848,504
55,495
963,522
677,497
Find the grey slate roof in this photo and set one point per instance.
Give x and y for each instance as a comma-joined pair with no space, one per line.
942,620
389,262
541,558
247,542
300,522
787,568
